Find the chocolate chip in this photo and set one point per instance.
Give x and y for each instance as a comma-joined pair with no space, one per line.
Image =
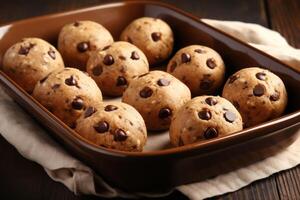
122,57
83,46
76,24
259,90
121,81
97,70
24,50
233,78
261,76
55,86
120,135
185,57
71,81
73,125
164,113
211,101
156,36
110,108
204,114
134,55
275,96
77,103
51,53
89,111
101,127
142,75
211,63
173,66
210,133
108,60
206,84
44,79
146,92
200,51
229,116
106,47
163,82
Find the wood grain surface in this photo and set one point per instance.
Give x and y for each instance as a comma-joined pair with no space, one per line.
23,179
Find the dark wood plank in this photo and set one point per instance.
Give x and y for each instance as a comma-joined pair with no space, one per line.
285,18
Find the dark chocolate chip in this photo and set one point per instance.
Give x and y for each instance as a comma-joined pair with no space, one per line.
134,55
275,96
259,90
121,81
163,82
106,47
76,24
233,78
164,113
51,53
146,92
200,51
73,125
101,127
173,66
204,114
229,116
211,101
185,57
89,111
109,108
108,60
210,133
77,103
261,76
122,57
24,50
156,36
206,84
120,135
83,46
211,63
55,86
97,70
142,75
71,81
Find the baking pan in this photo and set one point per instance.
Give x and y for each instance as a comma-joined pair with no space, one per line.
160,170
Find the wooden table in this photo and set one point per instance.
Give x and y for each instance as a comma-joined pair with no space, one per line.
23,179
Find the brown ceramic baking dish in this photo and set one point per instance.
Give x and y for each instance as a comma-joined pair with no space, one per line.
161,170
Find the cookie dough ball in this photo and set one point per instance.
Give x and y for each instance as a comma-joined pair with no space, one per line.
67,93
200,68
114,125
114,67
153,36
78,39
203,118
31,60
257,93
157,95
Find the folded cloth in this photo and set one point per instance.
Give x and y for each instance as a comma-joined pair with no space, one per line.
34,144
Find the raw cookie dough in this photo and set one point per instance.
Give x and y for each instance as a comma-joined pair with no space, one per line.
203,118
114,67
153,36
157,95
31,60
114,125
67,93
78,39
257,93
200,68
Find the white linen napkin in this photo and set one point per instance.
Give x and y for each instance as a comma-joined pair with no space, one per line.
31,140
